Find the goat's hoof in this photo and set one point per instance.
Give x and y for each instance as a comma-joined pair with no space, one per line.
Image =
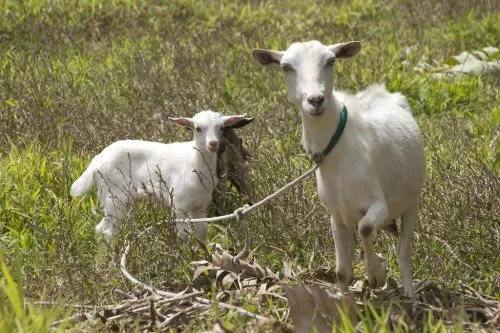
377,272
105,232
410,293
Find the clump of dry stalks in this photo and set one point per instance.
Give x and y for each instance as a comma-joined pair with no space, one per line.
313,303
232,167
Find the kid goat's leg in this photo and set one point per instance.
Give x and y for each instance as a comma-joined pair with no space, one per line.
200,228
374,263
408,223
182,227
343,237
114,211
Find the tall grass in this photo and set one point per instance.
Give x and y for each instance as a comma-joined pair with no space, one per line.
15,314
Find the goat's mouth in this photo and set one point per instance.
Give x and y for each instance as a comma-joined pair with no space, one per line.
212,149
315,111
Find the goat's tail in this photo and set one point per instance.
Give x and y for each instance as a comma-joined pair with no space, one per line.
84,183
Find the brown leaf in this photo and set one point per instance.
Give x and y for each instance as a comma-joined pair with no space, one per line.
228,280
224,260
231,274
287,271
199,270
262,289
314,307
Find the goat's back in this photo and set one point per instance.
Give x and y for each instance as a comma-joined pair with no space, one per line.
381,150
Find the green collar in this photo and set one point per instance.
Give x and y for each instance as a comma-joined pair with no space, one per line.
318,158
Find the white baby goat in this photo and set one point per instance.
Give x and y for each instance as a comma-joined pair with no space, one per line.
376,171
181,174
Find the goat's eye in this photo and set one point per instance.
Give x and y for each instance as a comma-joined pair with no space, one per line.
330,62
287,68
197,129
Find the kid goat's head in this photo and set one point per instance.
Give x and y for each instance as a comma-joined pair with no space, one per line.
207,127
308,71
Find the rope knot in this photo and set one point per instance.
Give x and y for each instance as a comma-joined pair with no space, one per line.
239,212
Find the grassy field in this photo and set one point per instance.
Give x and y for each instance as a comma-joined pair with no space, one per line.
78,75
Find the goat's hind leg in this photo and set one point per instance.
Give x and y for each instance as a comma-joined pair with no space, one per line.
114,211
374,263
408,223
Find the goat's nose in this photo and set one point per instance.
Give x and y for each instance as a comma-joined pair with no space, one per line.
212,145
316,100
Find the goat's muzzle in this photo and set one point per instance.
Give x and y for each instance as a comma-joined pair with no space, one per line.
212,146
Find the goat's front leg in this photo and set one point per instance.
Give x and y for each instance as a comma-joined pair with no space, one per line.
374,263
343,237
200,227
182,227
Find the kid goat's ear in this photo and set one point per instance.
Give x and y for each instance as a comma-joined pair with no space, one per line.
186,122
232,120
242,122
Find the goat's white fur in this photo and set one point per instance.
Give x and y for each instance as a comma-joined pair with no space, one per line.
376,171
180,174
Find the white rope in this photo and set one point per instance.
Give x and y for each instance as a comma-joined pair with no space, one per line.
238,214
172,295
247,209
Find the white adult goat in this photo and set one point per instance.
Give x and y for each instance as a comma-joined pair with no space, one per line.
376,171
181,174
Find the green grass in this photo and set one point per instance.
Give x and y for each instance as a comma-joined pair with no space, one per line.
15,315
78,75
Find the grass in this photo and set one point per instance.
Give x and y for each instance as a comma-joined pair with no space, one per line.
76,76
16,316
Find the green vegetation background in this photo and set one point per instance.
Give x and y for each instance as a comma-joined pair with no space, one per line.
78,75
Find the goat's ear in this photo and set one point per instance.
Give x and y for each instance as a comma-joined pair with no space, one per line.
242,122
267,57
186,122
229,121
345,50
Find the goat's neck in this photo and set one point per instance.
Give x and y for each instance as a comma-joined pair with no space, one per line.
317,131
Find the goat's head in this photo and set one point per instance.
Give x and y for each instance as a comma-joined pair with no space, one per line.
308,71
207,127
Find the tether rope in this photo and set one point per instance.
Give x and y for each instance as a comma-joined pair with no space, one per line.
247,209
238,215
